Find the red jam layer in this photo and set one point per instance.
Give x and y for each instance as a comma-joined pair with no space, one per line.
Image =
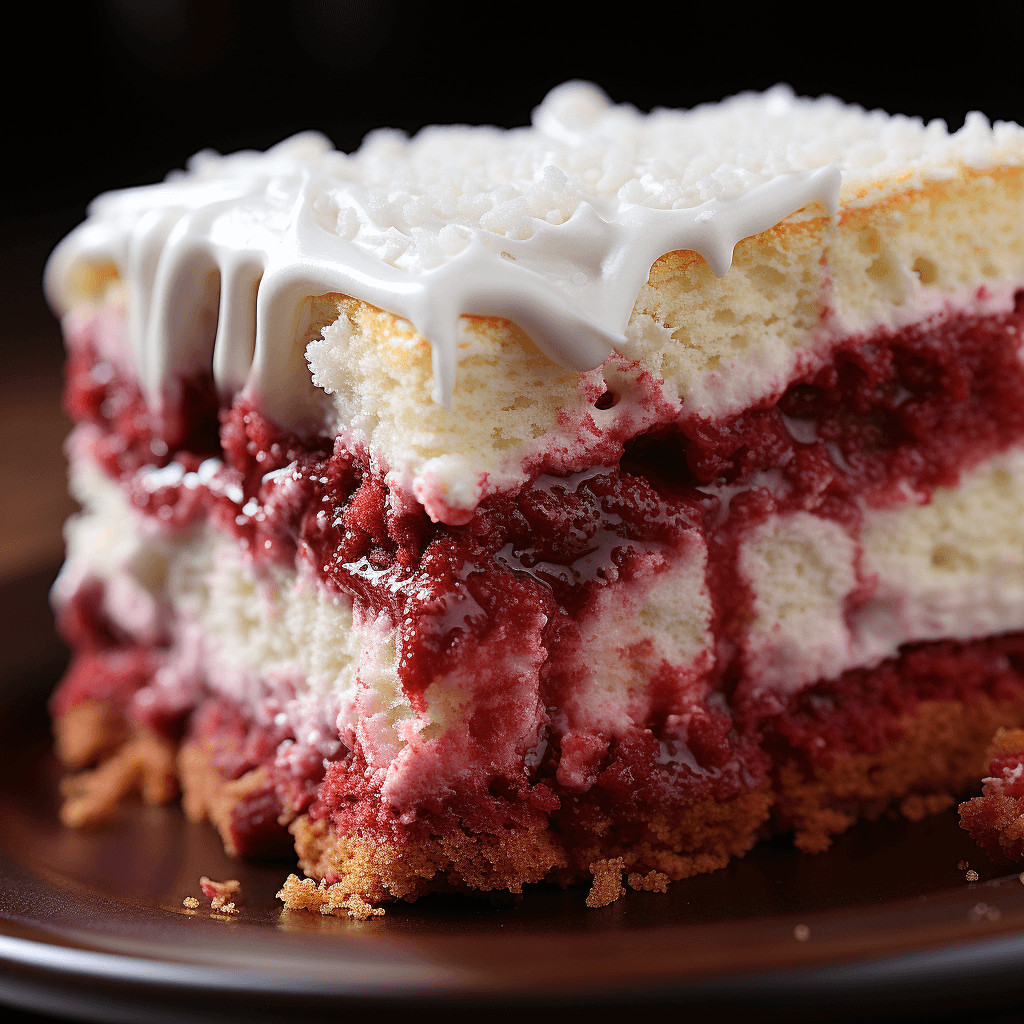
908,409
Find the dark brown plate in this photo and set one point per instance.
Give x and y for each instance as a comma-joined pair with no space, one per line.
92,924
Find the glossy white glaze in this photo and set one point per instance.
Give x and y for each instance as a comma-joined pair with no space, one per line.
265,231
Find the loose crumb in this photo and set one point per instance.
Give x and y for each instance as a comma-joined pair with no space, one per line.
801,933
222,895
607,887
653,881
972,875
143,765
963,865
305,894
361,910
191,902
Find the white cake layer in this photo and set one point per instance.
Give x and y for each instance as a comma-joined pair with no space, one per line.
695,344
262,637
515,411
952,568
283,645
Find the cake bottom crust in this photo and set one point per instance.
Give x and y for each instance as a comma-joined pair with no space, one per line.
938,757
130,760
694,840
940,753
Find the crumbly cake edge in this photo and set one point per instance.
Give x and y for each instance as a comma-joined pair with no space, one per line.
943,750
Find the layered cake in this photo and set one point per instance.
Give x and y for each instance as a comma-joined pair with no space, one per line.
578,502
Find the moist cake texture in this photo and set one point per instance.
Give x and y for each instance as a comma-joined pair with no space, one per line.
575,502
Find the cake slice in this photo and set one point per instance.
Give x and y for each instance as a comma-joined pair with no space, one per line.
585,500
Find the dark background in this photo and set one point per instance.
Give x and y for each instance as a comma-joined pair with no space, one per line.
110,93
106,94
100,95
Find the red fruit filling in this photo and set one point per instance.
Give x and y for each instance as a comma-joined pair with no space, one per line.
898,410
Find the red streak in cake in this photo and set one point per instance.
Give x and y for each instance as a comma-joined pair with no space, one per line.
860,710
911,409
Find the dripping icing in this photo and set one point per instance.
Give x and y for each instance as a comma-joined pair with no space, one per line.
269,230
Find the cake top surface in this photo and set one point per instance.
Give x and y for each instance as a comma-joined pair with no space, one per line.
554,226
582,148
398,197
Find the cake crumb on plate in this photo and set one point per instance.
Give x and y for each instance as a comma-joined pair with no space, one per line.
607,887
222,895
305,894
653,881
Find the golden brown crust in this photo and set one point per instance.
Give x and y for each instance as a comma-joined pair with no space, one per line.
143,765
941,752
696,840
701,838
88,732
379,871
207,795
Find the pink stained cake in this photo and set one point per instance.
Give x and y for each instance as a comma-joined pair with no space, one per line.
567,503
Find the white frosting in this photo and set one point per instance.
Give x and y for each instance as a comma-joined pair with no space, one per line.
559,239
554,226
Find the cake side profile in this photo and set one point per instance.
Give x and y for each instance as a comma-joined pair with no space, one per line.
569,503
